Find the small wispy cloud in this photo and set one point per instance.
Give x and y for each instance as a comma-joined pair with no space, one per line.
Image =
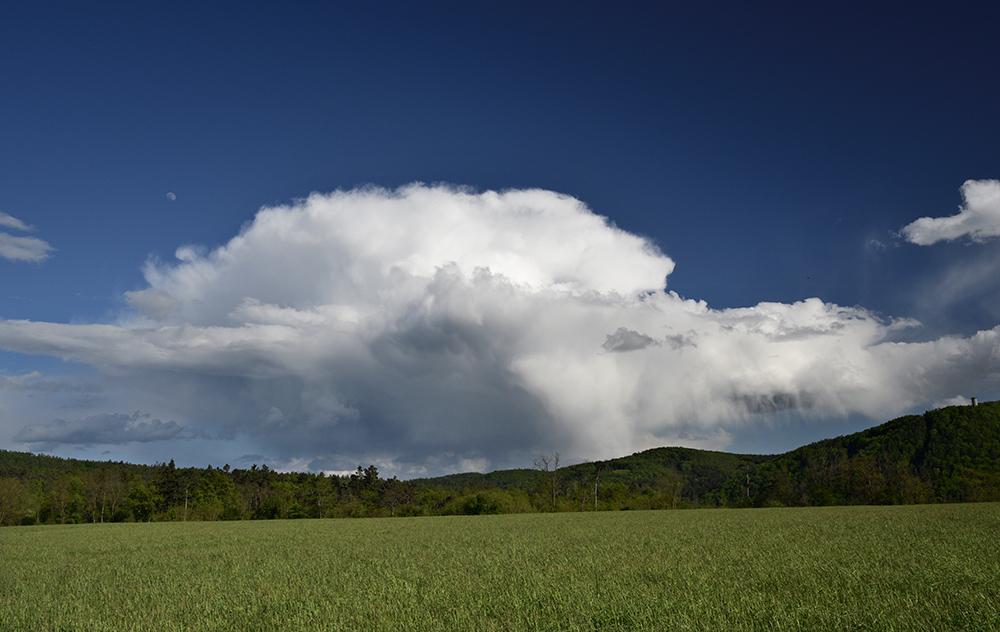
12,222
21,248
153,303
978,218
627,340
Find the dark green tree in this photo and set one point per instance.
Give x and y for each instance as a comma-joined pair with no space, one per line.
142,501
168,485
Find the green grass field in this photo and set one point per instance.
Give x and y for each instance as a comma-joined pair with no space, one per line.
930,567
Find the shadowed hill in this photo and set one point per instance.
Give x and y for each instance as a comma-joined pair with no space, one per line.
945,455
682,473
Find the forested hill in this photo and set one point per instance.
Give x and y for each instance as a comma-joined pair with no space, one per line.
680,473
945,455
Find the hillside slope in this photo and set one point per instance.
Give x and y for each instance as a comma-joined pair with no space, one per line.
945,455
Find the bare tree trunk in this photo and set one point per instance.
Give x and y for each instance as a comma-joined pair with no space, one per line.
544,463
598,468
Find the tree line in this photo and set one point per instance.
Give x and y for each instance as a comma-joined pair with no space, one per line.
946,455
119,492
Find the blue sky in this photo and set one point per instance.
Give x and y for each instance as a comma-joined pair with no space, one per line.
759,281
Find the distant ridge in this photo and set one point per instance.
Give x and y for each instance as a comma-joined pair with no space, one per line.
945,455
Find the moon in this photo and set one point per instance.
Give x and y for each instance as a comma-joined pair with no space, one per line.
171,197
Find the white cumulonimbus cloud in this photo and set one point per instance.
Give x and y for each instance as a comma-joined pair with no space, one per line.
978,217
21,248
436,326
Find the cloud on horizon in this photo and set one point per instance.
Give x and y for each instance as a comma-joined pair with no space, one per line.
101,429
978,218
429,327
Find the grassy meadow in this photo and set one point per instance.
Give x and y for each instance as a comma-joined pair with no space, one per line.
922,567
